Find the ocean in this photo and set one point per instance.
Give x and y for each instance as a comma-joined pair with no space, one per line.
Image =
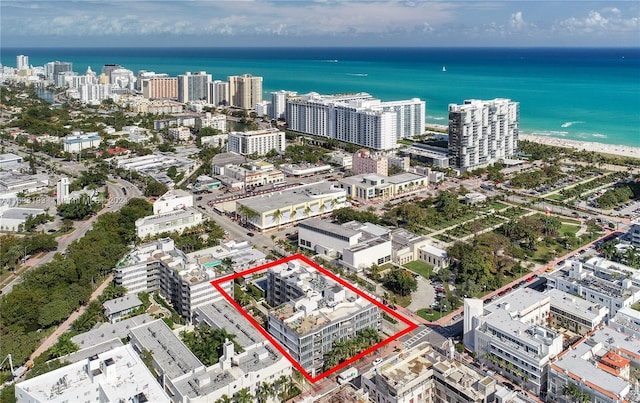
571,93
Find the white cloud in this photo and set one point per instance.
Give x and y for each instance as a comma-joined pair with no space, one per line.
517,22
604,21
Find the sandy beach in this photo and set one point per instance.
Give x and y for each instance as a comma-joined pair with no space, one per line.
624,151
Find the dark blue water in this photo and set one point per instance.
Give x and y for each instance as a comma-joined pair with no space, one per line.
578,94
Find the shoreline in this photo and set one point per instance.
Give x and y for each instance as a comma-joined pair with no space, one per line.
614,149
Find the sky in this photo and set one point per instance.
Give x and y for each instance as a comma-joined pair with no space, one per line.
318,23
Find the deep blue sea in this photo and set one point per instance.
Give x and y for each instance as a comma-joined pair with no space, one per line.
578,94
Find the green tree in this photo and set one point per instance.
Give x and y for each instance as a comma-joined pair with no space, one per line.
401,282
243,396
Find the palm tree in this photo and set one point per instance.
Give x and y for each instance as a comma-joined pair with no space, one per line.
292,215
224,399
277,216
243,396
265,391
307,211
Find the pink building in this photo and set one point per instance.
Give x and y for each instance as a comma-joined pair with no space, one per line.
366,163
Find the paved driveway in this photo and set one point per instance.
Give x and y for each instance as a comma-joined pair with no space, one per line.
423,297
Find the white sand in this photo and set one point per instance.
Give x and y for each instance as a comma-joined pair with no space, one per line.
624,151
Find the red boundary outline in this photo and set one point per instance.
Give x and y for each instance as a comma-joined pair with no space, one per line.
411,326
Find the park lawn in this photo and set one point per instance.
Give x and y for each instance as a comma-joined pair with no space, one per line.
498,206
564,228
556,196
431,314
419,267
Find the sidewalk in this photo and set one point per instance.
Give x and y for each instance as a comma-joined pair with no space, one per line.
51,340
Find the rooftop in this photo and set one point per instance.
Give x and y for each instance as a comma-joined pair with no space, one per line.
19,213
170,354
576,305
328,226
116,375
220,314
294,196
120,304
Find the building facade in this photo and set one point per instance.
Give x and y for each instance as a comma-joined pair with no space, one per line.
160,88
312,312
482,133
258,142
245,91
193,87
77,142
363,162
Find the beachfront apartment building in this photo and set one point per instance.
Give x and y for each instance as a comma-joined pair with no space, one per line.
219,93
422,374
312,312
278,109
511,336
482,133
160,88
612,285
193,87
356,118
258,142
245,91
356,245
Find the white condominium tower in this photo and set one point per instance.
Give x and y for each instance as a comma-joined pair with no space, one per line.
22,62
482,133
245,91
356,118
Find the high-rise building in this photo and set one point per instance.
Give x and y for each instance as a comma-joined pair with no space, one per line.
482,133
219,93
245,91
108,68
279,103
54,69
160,88
22,62
193,87
356,118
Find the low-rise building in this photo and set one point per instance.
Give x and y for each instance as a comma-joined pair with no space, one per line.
575,314
9,161
117,308
374,187
474,198
342,159
118,375
304,169
312,312
74,143
173,221
612,285
436,156
180,133
423,375
510,335
357,245
364,162
282,207
174,199
13,219
252,174
597,367
187,379
627,319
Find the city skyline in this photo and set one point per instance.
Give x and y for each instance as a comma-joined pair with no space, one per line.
273,23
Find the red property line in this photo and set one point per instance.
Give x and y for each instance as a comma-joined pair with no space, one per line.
411,326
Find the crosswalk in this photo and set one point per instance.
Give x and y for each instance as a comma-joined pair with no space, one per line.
416,338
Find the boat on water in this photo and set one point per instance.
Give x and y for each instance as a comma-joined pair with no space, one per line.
444,68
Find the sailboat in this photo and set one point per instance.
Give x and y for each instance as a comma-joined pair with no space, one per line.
444,68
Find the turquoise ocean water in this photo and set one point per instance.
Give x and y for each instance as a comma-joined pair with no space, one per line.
575,94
